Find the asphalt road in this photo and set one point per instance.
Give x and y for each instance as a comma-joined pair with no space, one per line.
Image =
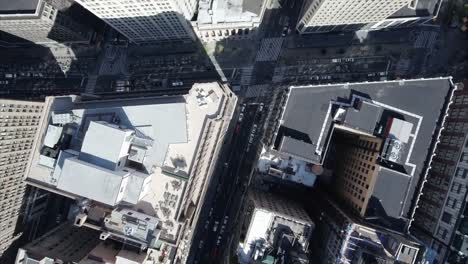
224,195
286,14
217,223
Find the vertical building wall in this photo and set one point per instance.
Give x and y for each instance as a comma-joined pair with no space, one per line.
204,168
145,21
439,216
356,172
48,25
323,13
19,122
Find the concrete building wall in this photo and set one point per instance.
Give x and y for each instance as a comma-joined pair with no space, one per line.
19,122
357,170
48,25
323,13
438,220
146,21
204,168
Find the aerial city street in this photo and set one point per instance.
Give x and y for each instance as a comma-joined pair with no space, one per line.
233,131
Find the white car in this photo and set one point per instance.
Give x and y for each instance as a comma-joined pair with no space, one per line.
285,31
215,227
241,116
177,83
242,108
218,241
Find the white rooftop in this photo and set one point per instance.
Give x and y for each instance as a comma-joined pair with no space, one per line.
258,230
229,11
400,130
88,180
52,136
300,170
99,131
105,144
167,123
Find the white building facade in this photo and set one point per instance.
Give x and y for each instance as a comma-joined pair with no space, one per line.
19,122
43,23
225,19
146,21
334,15
153,169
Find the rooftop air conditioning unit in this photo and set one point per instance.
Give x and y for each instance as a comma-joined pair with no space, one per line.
104,236
80,219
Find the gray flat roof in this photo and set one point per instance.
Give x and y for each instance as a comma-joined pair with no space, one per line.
307,115
365,119
300,148
18,6
253,6
388,196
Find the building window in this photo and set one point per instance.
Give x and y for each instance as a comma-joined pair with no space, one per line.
451,202
461,173
456,187
464,157
442,232
446,218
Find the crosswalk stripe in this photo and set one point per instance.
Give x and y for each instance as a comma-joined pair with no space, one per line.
270,49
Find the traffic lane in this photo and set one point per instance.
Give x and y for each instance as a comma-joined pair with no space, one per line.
224,196
263,72
246,163
240,190
211,237
208,207
229,176
220,201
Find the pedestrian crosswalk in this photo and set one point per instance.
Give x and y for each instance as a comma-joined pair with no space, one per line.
114,62
270,49
246,75
426,39
256,90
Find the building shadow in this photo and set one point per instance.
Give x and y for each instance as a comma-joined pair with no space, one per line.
59,66
111,66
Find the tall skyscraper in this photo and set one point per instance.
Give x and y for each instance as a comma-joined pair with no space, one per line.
41,22
146,21
19,122
135,180
375,147
333,15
